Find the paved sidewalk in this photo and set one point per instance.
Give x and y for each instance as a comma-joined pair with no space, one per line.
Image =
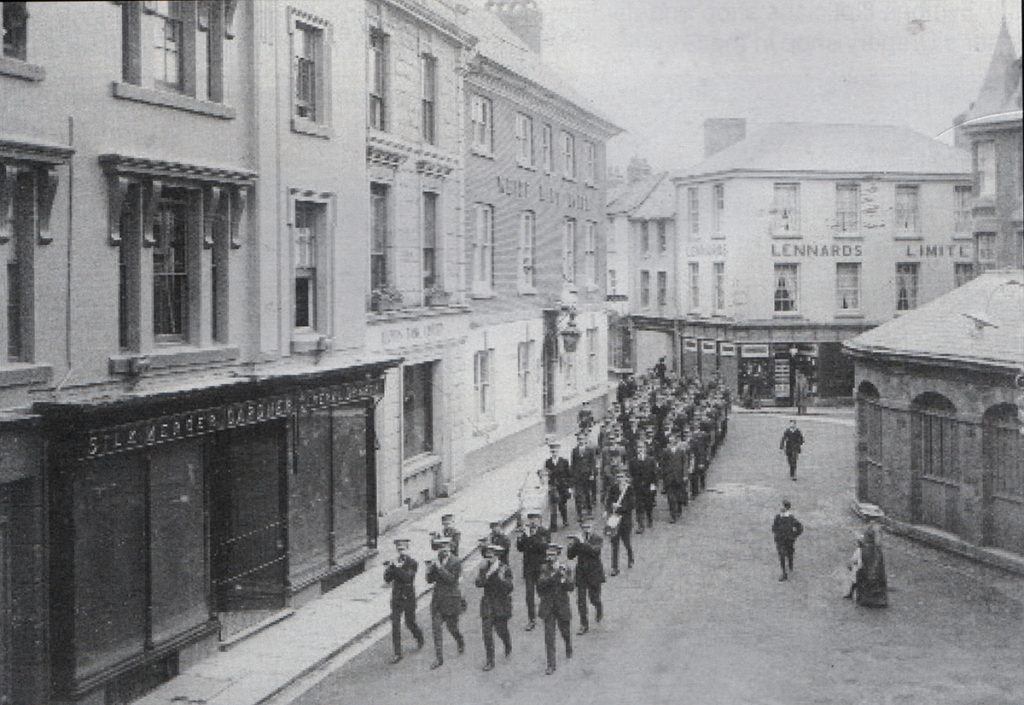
263,665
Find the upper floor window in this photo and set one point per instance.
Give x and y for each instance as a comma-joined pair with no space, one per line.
662,288
962,209
483,249
377,63
694,268
483,124
524,354
524,140
645,288
547,148
17,233
168,36
592,369
483,361
847,286
589,163
786,288
590,252
569,250
380,237
568,156
719,204
985,246
613,282
645,237
172,255
963,272
662,228
906,285
431,263
693,210
719,272
786,209
848,208
15,30
527,249
308,237
308,42
907,216
985,167
428,110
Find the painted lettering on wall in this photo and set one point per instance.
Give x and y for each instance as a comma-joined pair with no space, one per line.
706,249
955,250
398,335
544,193
799,249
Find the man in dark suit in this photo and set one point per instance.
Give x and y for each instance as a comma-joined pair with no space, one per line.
559,486
449,531
621,501
644,472
673,473
583,467
401,574
495,577
785,530
532,541
498,538
553,586
586,549
792,442
446,602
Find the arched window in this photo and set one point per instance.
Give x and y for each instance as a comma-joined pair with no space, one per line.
935,437
869,422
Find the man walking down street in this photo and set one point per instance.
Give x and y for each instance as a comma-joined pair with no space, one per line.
621,501
401,574
791,443
583,467
553,586
673,473
495,577
586,549
644,472
559,486
446,602
498,538
532,541
786,528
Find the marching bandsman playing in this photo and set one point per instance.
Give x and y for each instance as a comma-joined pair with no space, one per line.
495,577
583,468
449,531
620,502
559,486
586,549
644,472
401,574
498,538
553,586
446,602
532,541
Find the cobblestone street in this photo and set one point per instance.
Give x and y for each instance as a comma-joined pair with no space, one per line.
702,618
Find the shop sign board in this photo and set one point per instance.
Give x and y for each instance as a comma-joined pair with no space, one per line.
758,350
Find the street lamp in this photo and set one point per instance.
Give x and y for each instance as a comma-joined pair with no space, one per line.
569,332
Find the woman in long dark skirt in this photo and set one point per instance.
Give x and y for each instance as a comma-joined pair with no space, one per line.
871,587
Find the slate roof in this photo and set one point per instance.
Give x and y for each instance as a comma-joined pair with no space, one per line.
857,149
941,331
624,198
1000,90
659,204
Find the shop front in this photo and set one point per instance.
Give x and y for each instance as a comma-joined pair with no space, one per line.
172,513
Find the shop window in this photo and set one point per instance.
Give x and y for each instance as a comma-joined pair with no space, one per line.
524,140
527,248
719,272
906,285
482,118
645,288
15,30
380,243
592,354
693,210
547,148
590,253
907,213
431,261
377,61
985,247
848,208
719,211
962,209
847,286
963,272
524,357
482,383
694,268
569,250
662,282
568,156
428,102
418,409
483,249
985,168
308,233
786,210
787,280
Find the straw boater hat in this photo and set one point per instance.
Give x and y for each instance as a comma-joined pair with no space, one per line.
557,548
442,543
402,543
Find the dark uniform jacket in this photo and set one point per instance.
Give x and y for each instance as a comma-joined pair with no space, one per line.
589,568
500,539
554,587
534,548
559,475
628,501
673,467
792,441
786,528
447,597
583,465
644,473
401,577
496,601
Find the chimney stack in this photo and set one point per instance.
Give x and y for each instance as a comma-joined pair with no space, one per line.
521,16
720,133
637,170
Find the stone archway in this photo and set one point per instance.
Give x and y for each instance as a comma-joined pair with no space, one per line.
935,462
1003,478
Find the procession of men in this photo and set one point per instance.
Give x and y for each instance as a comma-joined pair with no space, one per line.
661,432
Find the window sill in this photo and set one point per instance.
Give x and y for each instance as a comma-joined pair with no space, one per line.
569,179
419,464
177,356
527,290
128,91
907,236
527,167
480,152
19,375
849,314
786,236
968,237
16,68
481,294
791,316
848,236
308,127
309,342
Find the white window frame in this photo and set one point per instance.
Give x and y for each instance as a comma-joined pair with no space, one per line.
985,168
661,287
528,251
786,210
645,236
645,288
694,275
848,209
428,99
907,210
483,249
693,210
377,48
718,269
568,156
848,287
547,148
524,356
786,278
482,118
569,251
962,195
590,253
908,278
718,208
592,354
524,140
986,256
483,384
589,163
612,282
318,123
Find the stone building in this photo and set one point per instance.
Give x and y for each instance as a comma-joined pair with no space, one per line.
534,249
939,417
188,407
800,236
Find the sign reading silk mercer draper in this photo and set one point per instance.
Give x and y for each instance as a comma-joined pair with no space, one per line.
164,429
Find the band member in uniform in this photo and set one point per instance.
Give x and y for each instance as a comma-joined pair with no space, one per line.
401,573
621,502
498,538
673,472
495,577
586,549
583,467
559,486
553,586
532,541
446,602
644,472
449,531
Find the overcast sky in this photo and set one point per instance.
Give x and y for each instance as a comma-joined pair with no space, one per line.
658,68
